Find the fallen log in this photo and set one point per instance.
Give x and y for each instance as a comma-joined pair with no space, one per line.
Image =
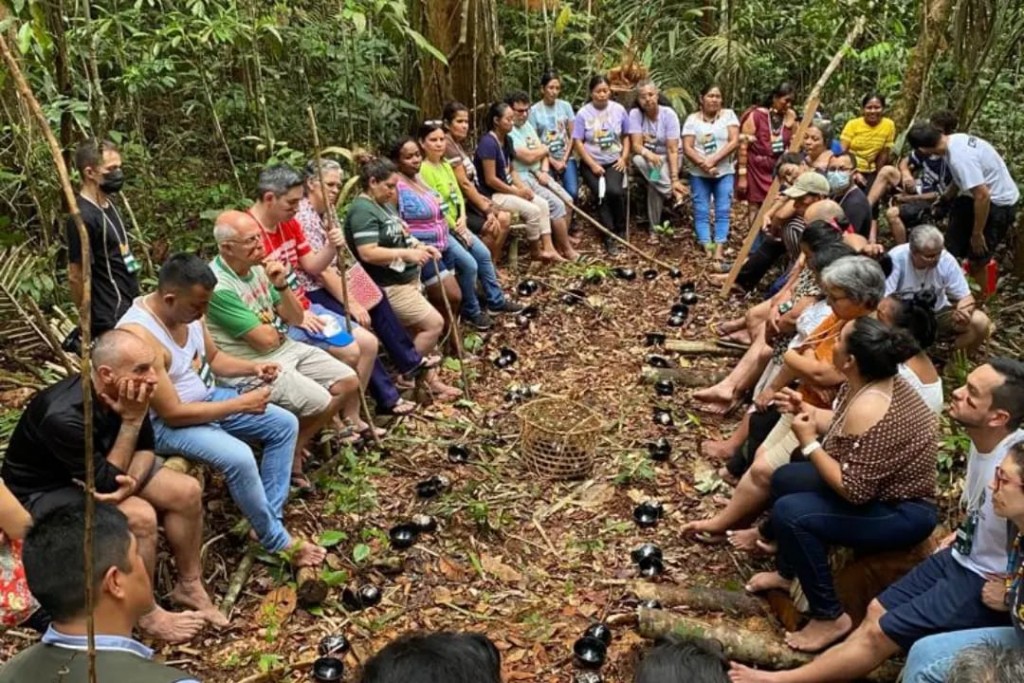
704,599
696,348
760,648
689,378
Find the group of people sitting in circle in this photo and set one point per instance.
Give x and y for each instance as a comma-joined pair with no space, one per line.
273,340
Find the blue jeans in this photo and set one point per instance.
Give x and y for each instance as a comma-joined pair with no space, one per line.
703,190
809,516
570,178
930,658
260,492
470,264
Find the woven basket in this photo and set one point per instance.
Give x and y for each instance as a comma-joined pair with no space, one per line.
559,438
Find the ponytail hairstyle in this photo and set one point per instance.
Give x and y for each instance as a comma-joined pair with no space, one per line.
450,110
828,253
879,349
373,168
547,77
495,111
916,315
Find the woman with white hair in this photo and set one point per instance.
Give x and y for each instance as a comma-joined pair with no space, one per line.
853,288
925,264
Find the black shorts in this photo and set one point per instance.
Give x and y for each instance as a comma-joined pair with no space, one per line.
913,214
961,224
474,219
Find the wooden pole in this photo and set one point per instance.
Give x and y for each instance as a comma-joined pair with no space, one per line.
795,145
593,221
85,326
332,222
455,333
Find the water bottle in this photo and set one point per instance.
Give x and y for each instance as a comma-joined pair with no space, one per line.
600,189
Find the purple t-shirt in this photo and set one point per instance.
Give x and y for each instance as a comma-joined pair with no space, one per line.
489,148
601,131
658,132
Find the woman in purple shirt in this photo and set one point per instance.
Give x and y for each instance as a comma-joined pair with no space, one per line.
600,135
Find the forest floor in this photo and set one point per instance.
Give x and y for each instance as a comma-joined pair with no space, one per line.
529,562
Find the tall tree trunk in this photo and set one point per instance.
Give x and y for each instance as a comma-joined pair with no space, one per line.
934,21
466,32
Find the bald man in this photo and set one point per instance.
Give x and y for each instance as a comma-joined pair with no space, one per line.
44,469
248,317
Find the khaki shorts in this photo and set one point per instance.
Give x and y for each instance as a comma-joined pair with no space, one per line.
307,373
408,303
780,443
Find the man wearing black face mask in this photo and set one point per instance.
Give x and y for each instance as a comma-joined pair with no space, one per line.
851,198
114,269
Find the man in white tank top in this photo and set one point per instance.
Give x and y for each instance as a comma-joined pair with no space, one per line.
209,424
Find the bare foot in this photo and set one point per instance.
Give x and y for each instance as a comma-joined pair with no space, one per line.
191,593
443,392
768,548
722,392
172,627
764,581
550,257
739,336
745,539
744,674
819,634
716,451
571,254
306,554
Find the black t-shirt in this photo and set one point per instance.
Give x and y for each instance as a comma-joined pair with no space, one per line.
114,285
46,448
858,210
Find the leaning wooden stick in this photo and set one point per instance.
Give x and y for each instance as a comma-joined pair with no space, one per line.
593,221
85,327
455,332
339,245
795,145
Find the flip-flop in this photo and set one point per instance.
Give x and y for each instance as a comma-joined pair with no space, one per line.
400,409
705,407
708,538
301,483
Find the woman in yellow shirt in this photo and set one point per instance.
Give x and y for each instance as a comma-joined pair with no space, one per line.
871,137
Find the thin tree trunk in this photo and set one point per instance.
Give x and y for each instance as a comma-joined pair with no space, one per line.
934,20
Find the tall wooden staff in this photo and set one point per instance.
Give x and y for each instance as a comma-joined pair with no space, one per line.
85,326
795,145
332,222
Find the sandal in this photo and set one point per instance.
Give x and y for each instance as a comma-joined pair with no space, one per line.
301,483
400,409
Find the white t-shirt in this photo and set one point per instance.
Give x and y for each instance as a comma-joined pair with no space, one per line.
989,539
974,162
946,279
931,394
709,137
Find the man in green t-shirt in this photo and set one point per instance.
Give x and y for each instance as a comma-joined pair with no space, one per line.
250,310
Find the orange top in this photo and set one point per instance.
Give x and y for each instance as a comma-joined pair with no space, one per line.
823,342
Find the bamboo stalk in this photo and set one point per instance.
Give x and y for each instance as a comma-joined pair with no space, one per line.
85,325
795,144
341,248
455,333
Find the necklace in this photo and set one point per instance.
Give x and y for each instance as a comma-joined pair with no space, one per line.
714,118
152,314
772,115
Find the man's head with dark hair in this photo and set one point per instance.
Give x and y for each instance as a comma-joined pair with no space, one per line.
53,554
279,189
520,103
992,399
945,120
925,138
675,659
184,287
436,658
96,159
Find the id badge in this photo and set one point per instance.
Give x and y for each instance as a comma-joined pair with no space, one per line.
130,262
442,207
292,280
279,324
964,541
777,145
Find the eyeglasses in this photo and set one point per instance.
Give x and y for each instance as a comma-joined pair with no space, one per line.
1002,480
247,242
521,111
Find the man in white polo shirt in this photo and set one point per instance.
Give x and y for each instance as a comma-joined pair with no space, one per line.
924,264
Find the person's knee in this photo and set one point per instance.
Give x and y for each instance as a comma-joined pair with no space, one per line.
981,325
368,342
761,470
141,516
345,386
348,354
892,213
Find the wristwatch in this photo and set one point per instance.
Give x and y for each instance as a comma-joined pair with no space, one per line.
810,448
